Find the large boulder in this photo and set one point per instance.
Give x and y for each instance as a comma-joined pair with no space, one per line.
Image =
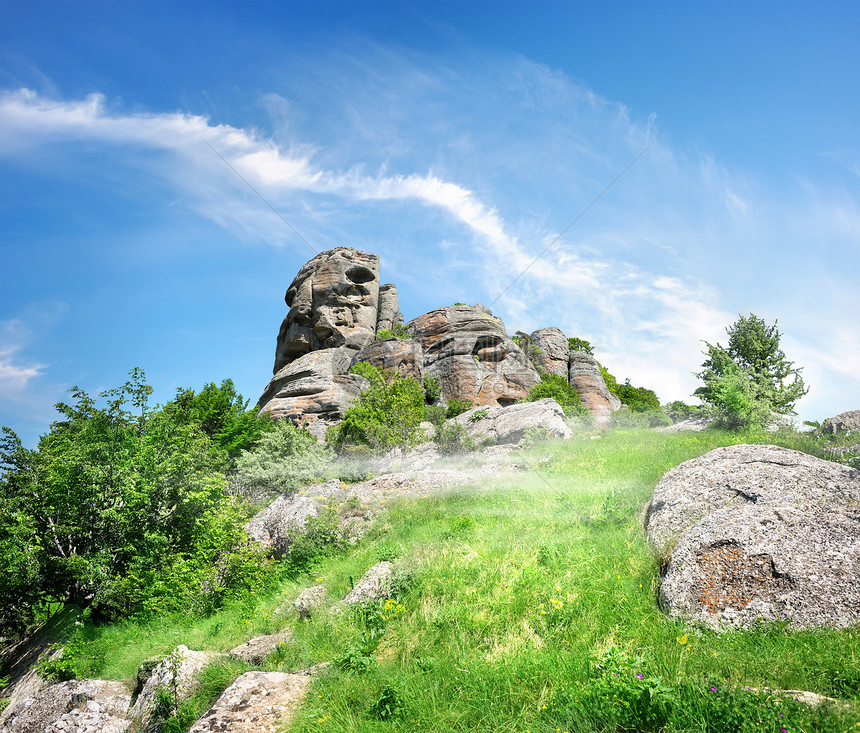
388,314
400,355
754,533
552,349
333,302
842,423
285,518
177,673
509,424
256,701
468,350
314,390
584,374
76,705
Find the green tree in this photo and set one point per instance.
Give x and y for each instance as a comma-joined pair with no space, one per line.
578,344
750,380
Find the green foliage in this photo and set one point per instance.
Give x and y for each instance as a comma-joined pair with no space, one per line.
387,415
679,411
432,389
530,349
578,344
559,389
222,414
746,383
112,498
285,459
478,415
638,399
457,407
452,438
640,419
322,536
434,414
369,372
397,331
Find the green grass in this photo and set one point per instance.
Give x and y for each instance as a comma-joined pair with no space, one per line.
524,599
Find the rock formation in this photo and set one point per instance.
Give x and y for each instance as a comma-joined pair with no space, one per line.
509,424
400,355
754,533
553,350
843,422
468,350
283,519
595,395
336,306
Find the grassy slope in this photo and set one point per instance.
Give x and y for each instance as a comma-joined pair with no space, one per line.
513,590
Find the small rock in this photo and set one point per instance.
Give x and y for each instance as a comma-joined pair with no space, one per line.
311,600
259,648
374,585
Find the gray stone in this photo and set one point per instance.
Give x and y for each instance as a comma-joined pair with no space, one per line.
388,315
552,344
311,600
468,350
73,706
375,585
281,521
333,302
255,702
509,424
404,356
752,534
177,673
584,374
844,422
256,650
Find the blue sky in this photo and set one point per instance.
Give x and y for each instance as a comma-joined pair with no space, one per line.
456,140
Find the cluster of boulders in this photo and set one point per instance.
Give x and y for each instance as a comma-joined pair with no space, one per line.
337,309
255,701
753,534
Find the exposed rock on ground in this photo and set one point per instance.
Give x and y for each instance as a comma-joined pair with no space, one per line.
404,356
255,702
552,344
374,585
77,706
177,673
282,520
256,650
468,350
593,393
310,601
843,422
333,302
759,533
509,424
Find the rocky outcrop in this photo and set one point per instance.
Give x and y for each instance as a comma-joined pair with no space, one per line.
374,585
277,525
467,349
310,600
333,301
256,650
509,424
842,423
256,701
77,705
388,315
585,376
759,533
314,390
404,356
552,350
177,673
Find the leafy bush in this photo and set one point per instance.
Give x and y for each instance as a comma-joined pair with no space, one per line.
369,372
453,438
387,415
644,419
322,536
397,331
638,399
457,407
432,389
678,411
578,344
559,389
285,459
530,349
434,414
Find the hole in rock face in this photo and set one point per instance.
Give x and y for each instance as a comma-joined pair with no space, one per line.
360,275
506,401
489,348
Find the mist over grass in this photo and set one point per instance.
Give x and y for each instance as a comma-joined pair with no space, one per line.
527,602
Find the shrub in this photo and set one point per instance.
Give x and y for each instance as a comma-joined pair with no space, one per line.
578,344
559,389
457,407
638,399
679,411
396,331
285,459
453,438
369,372
434,414
387,415
432,389
645,419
